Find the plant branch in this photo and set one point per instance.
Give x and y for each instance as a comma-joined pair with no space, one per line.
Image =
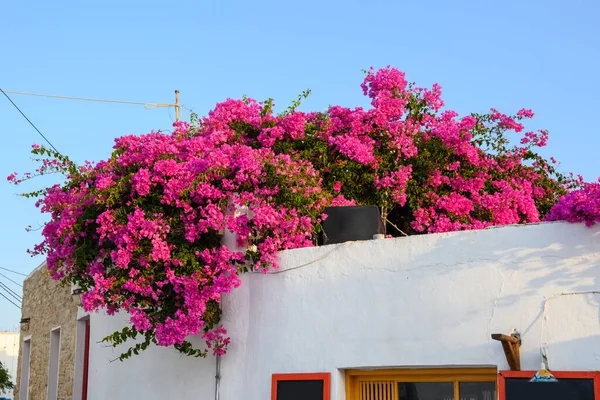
394,226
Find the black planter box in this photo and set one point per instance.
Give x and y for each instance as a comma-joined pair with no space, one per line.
345,224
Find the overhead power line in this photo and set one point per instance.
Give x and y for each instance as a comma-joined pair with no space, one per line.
10,292
28,120
14,272
8,279
147,105
2,284
10,301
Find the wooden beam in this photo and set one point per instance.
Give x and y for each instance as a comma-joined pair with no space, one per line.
510,345
502,338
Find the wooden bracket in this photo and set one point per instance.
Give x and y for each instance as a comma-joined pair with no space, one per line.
511,345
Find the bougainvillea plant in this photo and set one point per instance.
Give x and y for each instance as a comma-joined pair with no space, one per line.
579,206
142,231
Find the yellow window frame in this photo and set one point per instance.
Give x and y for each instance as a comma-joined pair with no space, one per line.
356,379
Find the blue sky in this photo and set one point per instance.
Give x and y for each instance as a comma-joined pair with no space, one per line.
542,55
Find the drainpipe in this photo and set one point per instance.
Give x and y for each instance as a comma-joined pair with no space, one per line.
218,378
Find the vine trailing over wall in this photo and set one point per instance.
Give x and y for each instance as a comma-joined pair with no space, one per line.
141,231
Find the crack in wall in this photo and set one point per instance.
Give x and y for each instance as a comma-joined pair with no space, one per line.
488,333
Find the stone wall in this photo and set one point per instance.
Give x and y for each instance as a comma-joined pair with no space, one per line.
48,305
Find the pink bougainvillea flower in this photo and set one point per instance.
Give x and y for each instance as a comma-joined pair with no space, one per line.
142,230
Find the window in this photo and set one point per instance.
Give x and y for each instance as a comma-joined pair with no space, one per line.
515,385
25,359
82,359
53,364
301,386
422,384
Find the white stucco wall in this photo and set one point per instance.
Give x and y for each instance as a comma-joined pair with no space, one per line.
158,373
427,300
9,354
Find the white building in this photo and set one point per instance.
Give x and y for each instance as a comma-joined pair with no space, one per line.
383,319
9,353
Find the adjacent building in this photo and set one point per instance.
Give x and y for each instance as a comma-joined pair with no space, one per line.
47,348
9,352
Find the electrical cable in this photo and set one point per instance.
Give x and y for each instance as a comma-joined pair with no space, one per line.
147,105
308,263
14,272
189,109
7,278
544,344
28,120
10,292
9,289
10,301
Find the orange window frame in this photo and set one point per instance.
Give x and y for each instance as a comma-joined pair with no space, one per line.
320,376
503,375
455,375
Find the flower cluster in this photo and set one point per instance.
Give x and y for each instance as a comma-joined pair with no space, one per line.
579,206
142,231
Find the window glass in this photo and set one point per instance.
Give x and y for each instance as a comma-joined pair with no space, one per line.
564,389
300,390
477,390
426,390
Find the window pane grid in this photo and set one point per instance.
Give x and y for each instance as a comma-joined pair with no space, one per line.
400,389
478,383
